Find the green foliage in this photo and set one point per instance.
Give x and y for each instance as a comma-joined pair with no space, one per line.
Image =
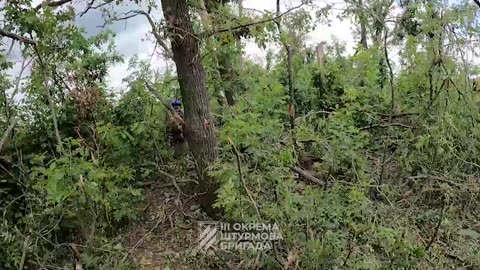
397,152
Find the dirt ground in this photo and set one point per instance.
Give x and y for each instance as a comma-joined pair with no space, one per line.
168,231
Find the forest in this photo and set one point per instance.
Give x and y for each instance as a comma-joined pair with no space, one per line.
361,157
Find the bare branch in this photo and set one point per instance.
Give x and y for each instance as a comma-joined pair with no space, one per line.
155,30
25,64
102,4
308,176
17,37
275,18
89,6
118,19
153,92
437,228
386,126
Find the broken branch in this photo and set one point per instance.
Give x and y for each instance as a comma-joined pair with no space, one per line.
308,176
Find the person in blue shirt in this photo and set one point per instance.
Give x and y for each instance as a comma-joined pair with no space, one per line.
176,124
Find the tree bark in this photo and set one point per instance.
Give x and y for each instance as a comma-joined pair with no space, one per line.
363,26
321,53
199,129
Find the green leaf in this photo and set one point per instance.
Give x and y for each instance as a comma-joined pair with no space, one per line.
54,187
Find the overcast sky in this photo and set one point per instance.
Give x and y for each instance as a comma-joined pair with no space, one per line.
133,36
131,33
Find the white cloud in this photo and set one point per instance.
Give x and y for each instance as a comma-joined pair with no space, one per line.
337,29
133,37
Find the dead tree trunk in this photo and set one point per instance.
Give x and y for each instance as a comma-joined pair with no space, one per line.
199,129
321,53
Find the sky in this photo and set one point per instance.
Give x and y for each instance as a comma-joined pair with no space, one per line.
134,38
130,34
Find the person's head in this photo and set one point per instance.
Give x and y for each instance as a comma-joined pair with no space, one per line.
176,104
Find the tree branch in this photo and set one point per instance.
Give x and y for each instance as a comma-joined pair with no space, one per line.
7,133
156,34
278,16
477,2
393,124
437,228
37,8
91,6
158,38
239,167
152,91
25,64
16,37
308,176
50,99
51,4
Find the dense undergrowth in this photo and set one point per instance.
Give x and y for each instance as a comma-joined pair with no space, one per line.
397,151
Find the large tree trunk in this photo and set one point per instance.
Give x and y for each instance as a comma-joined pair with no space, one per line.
199,129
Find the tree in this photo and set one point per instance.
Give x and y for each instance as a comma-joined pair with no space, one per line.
199,129
227,51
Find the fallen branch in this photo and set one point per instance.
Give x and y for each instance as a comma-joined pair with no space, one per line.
308,176
434,236
143,238
77,256
386,126
434,177
397,114
24,253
